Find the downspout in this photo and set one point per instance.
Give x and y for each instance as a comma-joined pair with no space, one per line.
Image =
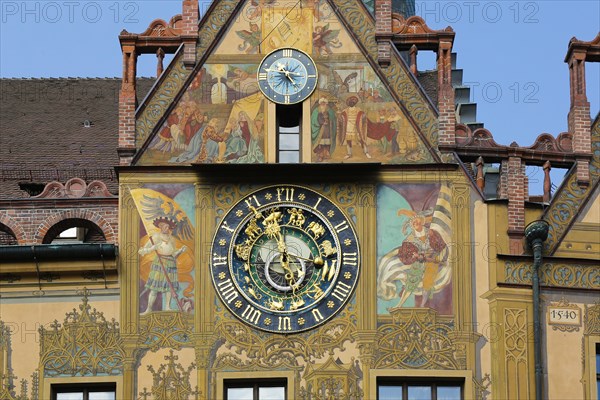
536,233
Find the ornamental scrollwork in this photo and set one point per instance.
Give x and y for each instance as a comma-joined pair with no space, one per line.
481,387
86,344
419,339
515,336
557,275
279,361
592,320
166,329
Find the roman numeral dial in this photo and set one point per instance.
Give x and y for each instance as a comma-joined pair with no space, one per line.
285,258
287,76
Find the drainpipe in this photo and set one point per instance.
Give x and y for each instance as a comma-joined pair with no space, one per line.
536,233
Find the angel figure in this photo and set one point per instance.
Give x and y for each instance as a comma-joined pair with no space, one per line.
163,270
324,39
251,38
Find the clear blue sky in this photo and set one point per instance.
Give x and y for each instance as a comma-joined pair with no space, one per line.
511,52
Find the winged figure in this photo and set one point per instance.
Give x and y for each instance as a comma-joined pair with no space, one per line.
343,85
251,38
324,39
155,208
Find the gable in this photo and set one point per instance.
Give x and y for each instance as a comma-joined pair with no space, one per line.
583,237
222,116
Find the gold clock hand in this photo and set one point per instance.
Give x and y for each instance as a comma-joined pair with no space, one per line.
318,261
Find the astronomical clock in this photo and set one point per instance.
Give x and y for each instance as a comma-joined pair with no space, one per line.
285,259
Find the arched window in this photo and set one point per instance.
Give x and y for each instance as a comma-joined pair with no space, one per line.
7,236
74,230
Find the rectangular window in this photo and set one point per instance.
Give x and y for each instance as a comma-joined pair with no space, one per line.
288,133
419,389
84,391
237,389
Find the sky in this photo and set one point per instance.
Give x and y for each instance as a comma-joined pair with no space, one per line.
511,52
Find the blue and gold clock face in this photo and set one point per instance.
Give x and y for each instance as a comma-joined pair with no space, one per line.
285,259
287,76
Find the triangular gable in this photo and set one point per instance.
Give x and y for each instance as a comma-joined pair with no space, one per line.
583,237
221,116
571,200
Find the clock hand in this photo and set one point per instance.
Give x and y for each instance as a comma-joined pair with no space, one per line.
274,70
318,261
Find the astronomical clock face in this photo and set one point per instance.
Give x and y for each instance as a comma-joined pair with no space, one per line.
287,76
285,259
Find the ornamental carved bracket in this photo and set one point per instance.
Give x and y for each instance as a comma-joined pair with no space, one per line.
86,344
414,31
591,49
418,338
159,34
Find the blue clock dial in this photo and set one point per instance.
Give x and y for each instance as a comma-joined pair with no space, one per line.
285,259
287,76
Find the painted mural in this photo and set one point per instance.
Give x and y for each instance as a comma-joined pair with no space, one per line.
166,247
222,116
414,239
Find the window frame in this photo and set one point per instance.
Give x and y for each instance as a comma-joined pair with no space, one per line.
255,384
464,377
285,376
433,383
280,109
46,387
79,387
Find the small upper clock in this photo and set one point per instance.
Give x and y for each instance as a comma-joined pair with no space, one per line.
287,76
